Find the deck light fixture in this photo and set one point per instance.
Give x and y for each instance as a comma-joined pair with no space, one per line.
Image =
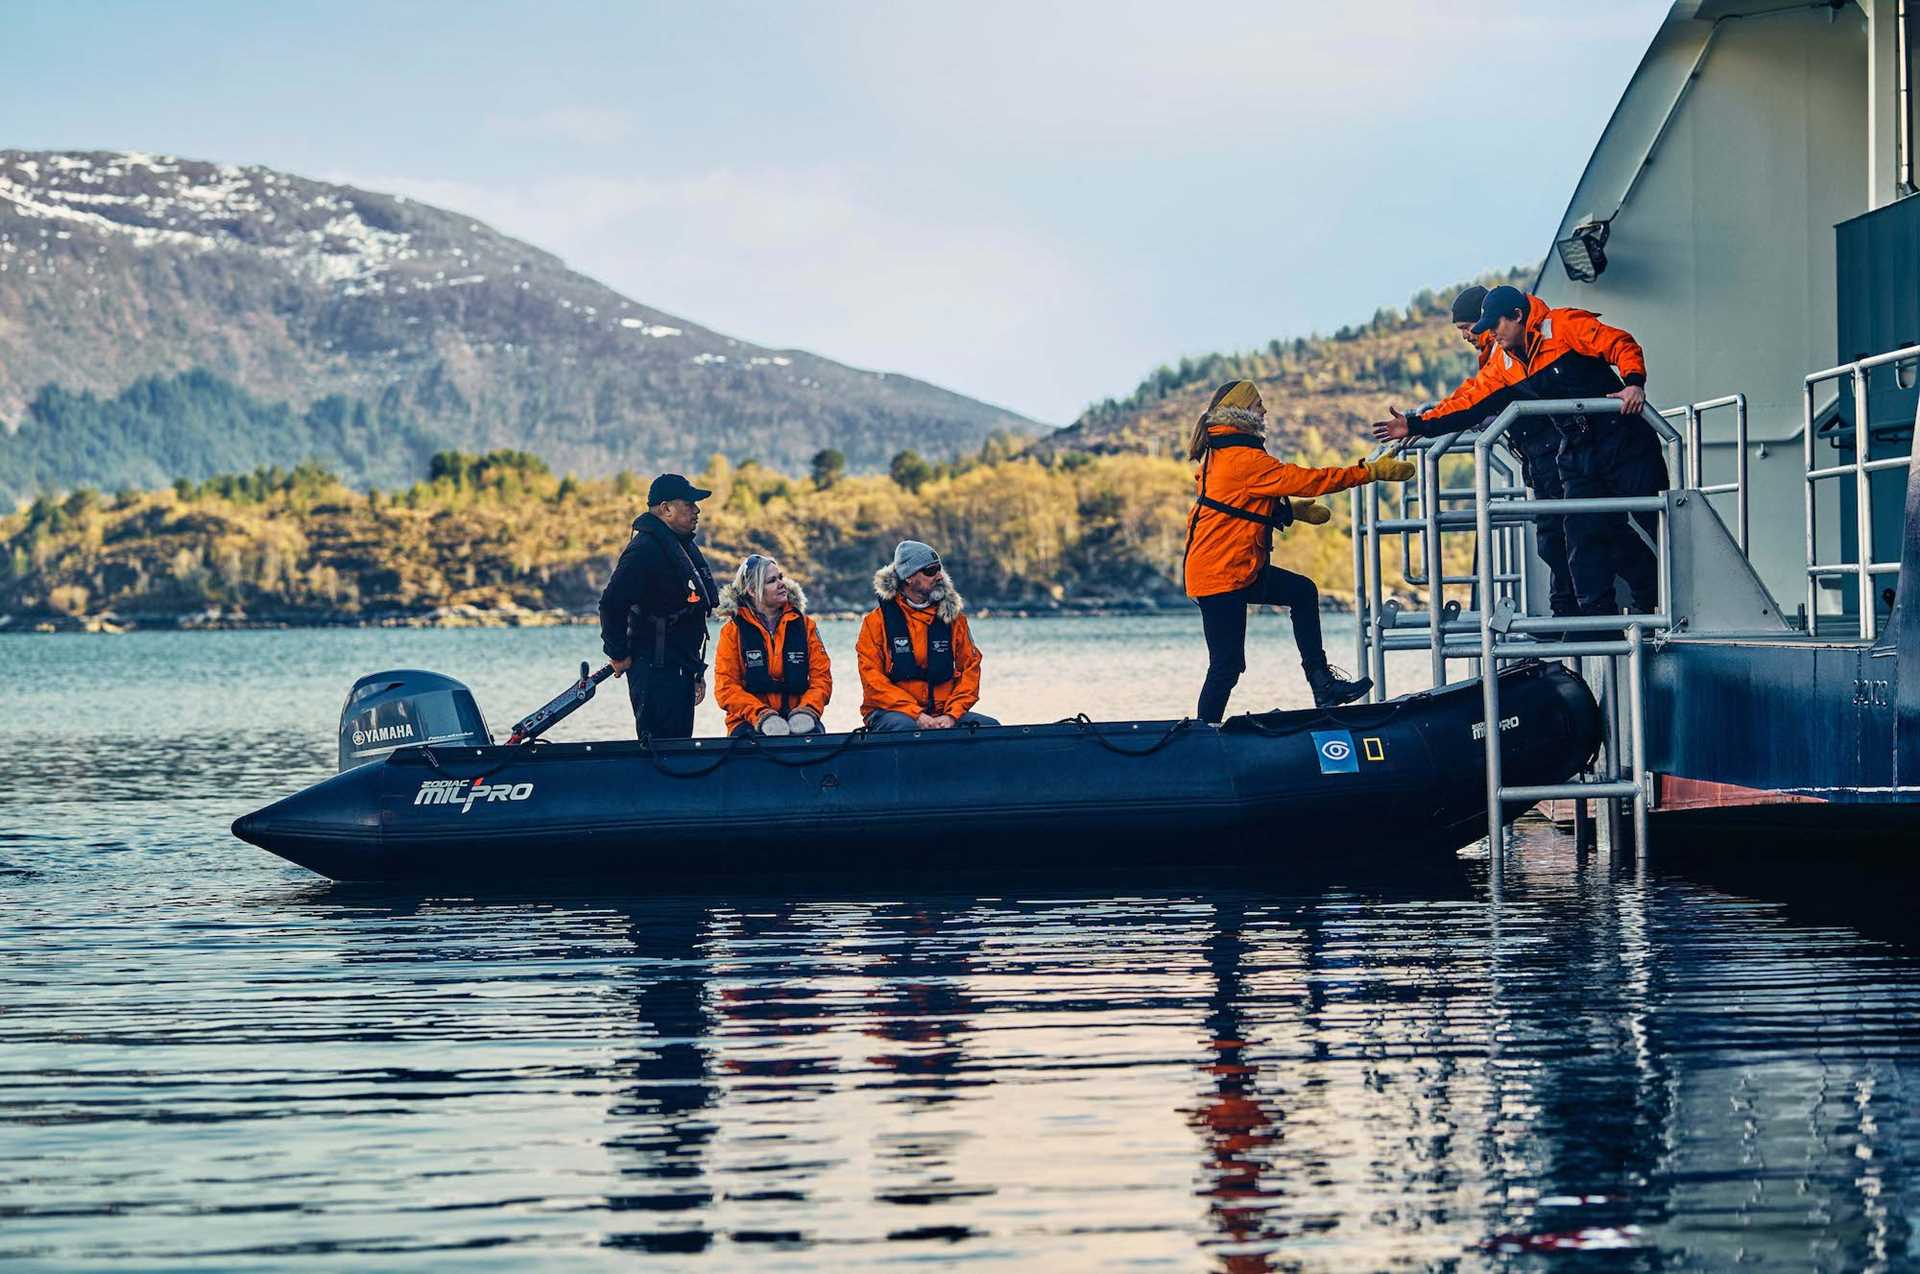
1582,252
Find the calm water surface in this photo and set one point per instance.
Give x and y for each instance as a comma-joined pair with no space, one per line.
210,1059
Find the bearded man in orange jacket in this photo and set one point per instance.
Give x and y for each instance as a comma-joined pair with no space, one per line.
919,668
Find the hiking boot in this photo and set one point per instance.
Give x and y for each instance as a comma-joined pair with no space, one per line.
1331,687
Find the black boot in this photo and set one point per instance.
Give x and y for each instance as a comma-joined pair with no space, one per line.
1331,689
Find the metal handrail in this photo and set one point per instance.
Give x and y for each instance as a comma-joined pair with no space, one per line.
1370,648
1862,471
1871,466
1695,476
1415,520
1505,552
1509,548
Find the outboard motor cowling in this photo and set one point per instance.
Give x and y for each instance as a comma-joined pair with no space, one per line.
405,708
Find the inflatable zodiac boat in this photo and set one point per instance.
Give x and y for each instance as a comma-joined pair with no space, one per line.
423,794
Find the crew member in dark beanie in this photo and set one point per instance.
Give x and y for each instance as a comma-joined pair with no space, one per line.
654,611
1466,312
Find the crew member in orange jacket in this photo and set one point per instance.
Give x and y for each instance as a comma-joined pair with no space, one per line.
1242,500
1534,440
919,668
770,672
1553,353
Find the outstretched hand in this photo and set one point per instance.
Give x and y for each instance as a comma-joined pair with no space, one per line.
1393,428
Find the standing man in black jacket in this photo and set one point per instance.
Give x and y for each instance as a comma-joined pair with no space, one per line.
655,610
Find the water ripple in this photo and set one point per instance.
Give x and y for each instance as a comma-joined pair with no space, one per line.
208,1059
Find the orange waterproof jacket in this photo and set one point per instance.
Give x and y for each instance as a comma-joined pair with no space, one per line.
1569,354
881,693
1225,553
743,706
1475,387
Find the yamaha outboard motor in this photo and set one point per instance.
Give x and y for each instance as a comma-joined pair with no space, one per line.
406,708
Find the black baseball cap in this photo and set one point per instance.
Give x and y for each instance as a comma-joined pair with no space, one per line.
673,486
1500,302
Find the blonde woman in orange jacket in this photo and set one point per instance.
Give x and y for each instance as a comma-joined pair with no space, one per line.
1243,497
770,671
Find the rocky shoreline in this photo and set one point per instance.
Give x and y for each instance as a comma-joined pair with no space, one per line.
510,616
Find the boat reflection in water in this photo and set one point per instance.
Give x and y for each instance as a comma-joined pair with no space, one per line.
1342,1076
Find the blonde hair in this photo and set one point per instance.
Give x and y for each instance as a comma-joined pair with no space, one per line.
750,581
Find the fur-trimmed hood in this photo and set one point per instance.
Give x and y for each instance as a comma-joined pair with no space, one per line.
946,597
1241,418
730,602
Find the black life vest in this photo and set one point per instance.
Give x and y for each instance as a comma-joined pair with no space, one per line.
757,677
901,665
1282,516
702,595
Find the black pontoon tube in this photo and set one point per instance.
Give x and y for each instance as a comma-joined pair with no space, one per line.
1264,790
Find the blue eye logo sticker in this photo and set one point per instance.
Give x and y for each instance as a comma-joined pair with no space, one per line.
1336,752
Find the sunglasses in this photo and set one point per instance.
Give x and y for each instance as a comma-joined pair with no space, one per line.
929,570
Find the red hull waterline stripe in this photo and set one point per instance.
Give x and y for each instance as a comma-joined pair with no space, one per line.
1676,793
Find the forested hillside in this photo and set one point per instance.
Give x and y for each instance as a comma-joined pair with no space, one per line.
500,538
1335,384
195,425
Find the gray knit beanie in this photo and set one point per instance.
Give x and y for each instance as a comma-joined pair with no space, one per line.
911,556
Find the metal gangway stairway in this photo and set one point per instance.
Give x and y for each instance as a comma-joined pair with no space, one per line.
1506,580
1706,585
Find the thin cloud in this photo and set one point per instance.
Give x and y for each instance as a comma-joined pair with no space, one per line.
577,125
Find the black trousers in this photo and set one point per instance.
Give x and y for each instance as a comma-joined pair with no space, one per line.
662,700
1601,546
1224,619
1540,470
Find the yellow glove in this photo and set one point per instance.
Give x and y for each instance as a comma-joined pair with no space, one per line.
1390,469
1313,514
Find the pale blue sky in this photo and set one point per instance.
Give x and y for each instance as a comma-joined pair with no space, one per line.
1031,203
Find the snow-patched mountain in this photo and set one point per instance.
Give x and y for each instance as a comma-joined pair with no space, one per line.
116,267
